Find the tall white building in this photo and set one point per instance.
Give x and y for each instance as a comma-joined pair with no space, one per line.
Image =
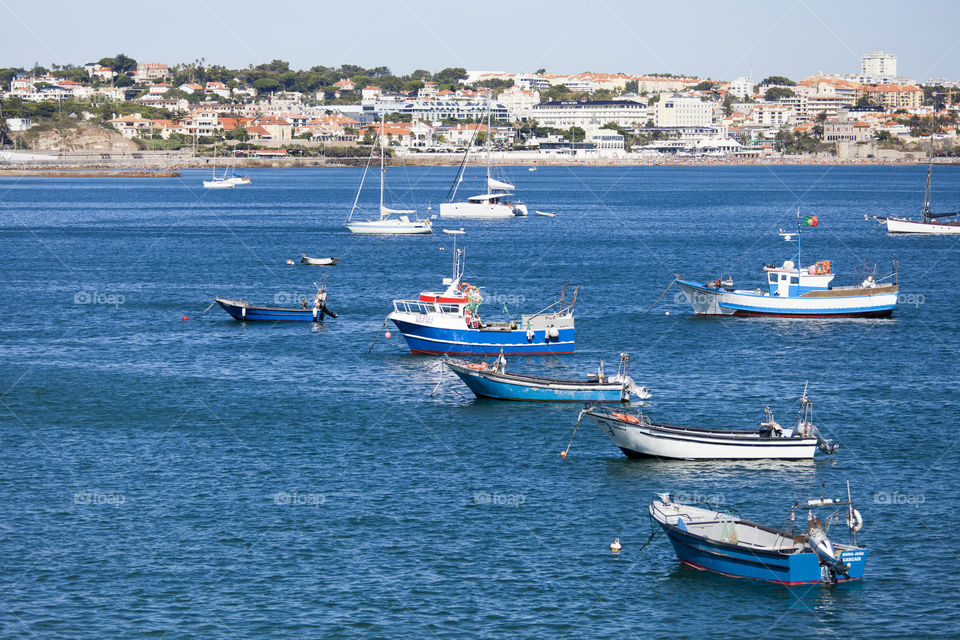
741,87
878,65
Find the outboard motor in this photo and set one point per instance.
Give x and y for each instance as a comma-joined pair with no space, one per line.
826,554
827,446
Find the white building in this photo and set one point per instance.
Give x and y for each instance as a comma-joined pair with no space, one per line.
682,111
567,113
519,102
878,65
741,87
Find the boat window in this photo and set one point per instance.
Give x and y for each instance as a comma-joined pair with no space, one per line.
794,280
783,276
773,278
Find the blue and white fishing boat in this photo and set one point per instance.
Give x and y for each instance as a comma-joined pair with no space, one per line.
719,540
245,311
449,322
494,381
796,291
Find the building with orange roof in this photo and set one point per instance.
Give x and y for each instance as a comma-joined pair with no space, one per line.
892,96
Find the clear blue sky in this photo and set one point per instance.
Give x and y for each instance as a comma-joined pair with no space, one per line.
713,39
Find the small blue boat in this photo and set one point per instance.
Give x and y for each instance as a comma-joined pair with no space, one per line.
494,381
449,322
719,540
245,311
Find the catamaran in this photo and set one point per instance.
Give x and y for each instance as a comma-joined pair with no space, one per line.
489,205
930,223
391,221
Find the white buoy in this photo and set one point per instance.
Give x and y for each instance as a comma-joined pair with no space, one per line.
615,546
666,313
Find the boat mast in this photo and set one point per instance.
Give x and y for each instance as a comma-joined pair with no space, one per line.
487,187
799,257
926,195
382,118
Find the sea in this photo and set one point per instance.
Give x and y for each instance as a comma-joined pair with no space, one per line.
169,472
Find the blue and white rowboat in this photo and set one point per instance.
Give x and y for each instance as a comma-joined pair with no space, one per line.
245,311
720,541
495,382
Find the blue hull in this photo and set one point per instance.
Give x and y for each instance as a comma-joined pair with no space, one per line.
531,391
436,341
739,562
268,314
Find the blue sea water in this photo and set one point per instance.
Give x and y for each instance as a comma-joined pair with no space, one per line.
204,478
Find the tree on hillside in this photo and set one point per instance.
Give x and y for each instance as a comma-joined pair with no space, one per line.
421,74
778,93
576,134
706,85
450,75
728,104
496,84
266,85
556,92
632,86
540,71
123,81
865,101
781,80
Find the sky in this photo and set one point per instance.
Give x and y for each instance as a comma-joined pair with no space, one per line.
718,40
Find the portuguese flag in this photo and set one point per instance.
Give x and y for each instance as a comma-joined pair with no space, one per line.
810,221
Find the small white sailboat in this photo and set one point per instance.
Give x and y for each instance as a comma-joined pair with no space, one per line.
931,223
215,182
391,221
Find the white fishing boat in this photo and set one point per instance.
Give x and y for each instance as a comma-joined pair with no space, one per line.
217,182
490,205
796,291
391,221
454,232
639,437
930,223
318,262
532,169
546,214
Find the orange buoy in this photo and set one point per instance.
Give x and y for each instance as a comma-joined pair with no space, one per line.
185,318
563,454
387,335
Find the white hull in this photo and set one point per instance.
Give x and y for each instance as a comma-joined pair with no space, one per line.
861,301
390,227
694,444
217,184
895,225
475,210
238,180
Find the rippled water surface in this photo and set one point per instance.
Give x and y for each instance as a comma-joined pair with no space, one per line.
171,478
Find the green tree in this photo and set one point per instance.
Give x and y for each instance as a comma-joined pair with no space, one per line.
450,75
266,85
706,85
865,101
123,81
123,64
728,104
632,86
778,93
557,92
540,71
781,80
576,134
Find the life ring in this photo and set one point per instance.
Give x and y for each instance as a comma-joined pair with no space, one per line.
623,417
464,285
855,523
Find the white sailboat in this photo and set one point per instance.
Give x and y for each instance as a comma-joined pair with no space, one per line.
487,205
931,223
215,182
391,221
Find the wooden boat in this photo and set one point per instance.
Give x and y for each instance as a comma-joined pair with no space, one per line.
546,214
318,262
719,540
639,437
243,311
494,381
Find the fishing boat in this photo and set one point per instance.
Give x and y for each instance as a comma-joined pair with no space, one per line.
391,221
493,381
719,540
930,223
546,214
796,291
216,182
449,322
318,262
639,437
489,205
244,311
454,232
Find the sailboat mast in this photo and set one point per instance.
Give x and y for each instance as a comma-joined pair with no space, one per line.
488,139
799,257
382,118
926,195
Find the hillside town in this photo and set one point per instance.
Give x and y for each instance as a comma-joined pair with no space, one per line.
271,111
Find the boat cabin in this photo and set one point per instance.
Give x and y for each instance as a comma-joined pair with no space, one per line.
788,281
487,198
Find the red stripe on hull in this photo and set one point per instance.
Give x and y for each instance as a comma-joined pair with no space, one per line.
730,575
489,353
